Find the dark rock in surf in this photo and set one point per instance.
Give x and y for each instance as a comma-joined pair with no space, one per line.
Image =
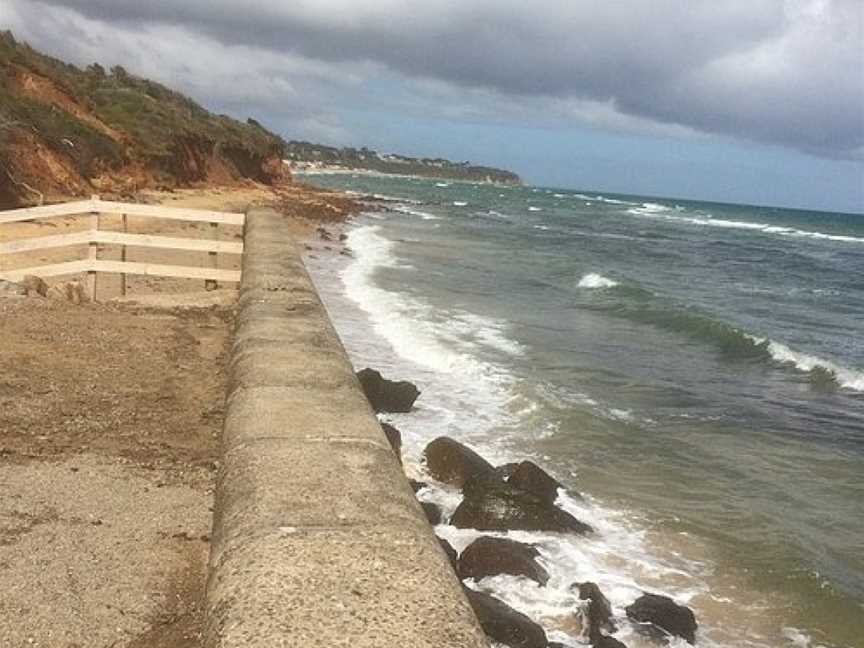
597,614
665,614
417,486
489,556
503,624
492,505
387,395
452,556
505,470
532,478
432,511
451,462
607,642
394,437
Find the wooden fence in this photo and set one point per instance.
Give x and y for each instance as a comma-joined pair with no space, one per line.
94,237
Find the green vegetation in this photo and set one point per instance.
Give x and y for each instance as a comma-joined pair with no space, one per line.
104,120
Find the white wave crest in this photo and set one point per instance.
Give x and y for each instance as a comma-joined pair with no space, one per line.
846,378
654,210
416,212
594,280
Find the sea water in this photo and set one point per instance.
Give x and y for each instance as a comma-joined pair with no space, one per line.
694,370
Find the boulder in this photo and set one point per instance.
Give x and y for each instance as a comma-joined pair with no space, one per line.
416,486
532,478
607,642
597,614
432,511
35,285
451,462
503,624
665,614
71,291
492,505
452,556
387,395
394,437
488,556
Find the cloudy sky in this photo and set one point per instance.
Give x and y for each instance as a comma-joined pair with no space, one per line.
756,101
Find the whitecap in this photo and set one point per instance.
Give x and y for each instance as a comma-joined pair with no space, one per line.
845,377
594,280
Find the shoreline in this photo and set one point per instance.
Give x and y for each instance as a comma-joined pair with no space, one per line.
730,595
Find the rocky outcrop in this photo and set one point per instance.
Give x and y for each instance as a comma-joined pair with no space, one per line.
35,285
432,511
451,553
504,624
664,613
597,613
453,463
394,438
488,556
608,642
387,395
492,505
71,291
532,478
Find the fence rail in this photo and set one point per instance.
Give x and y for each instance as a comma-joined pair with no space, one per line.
96,236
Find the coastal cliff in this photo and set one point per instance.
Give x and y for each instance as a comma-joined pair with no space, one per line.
65,131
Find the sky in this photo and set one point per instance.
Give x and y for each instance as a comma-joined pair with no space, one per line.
751,101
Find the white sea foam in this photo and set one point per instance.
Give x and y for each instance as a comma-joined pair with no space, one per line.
845,377
459,203
535,209
594,280
475,400
442,184
661,212
603,199
403,209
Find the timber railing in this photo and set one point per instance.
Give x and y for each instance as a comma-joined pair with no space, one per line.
94,237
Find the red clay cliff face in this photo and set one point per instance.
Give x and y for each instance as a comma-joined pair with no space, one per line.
64,136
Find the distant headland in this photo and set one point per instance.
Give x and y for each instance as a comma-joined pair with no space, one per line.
305,155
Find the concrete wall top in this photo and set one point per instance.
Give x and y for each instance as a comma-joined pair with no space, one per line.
318,539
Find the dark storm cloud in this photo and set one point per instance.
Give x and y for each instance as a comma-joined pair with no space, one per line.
786,72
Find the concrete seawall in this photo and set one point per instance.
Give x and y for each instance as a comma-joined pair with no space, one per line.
317,537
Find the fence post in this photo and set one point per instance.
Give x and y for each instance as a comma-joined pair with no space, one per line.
93,250
211,284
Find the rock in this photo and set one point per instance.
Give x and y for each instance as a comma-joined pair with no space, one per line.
416,486
394,437
505,470
324,235
12,289
607,642
451,462
387,395
343,237
452,556
432,511
503,624
71,291
488,556
666,614
597,615
35,285
532,478
493,505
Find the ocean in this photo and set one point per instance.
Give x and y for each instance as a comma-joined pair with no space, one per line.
695,370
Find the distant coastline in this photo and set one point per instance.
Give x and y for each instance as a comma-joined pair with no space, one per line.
304,156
